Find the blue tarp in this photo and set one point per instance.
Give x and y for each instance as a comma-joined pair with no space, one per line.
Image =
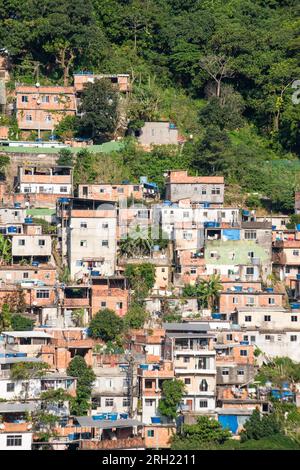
231,234
229,422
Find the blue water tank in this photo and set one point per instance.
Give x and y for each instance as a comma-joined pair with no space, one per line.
269,289
298,227
11,229
298,277
123,415
17,205
245,212
238,288
273,227
216,316
95,273
155,420
64,200
167,203
35,263
28,220
295,306
206,205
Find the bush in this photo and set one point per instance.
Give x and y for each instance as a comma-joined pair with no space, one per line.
106,325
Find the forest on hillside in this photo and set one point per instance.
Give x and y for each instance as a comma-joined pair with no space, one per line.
222,70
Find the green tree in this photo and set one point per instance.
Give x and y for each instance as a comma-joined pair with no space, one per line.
257,426
5,318
172,391
141,279
99,108
65,157
135,316
206,432
106,325
21,323
85,379
5,250
66,129
78,317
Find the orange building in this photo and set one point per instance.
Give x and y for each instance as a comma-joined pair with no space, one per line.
41,108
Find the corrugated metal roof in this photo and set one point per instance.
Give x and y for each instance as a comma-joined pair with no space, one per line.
17,407
89,422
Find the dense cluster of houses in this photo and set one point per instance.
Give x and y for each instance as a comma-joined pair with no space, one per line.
214,350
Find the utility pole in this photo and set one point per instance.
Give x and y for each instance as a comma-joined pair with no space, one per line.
131,386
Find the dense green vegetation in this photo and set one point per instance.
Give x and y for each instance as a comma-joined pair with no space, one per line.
221,70
85,378
106,325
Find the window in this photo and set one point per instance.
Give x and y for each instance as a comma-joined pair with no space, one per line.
271,301
250,270
104,242
229,337
149,402
252,339
186,359
42,242
83,225
24,99
187,236
148,383
14,440
250,234
28,117
63,189
245,338
216,190
78,262
213,254
48,118
83,243
267,318
109,402
186,214
103,304
250,301
240,372
126,402
235,300
187,381
223,215
120,190
203,386
10,387
193,270
248,318
269,338
203,190
203,403
150,433
294,318
55,99
21,242
41,189
225,371
136,188
27,189
126,383
293,338
243,352
295,252
45,99
42,294
287,270
104,225
25,275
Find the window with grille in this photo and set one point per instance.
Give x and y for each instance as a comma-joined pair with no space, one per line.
14,440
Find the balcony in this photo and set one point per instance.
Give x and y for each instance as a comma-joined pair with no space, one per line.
129,443
76,302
